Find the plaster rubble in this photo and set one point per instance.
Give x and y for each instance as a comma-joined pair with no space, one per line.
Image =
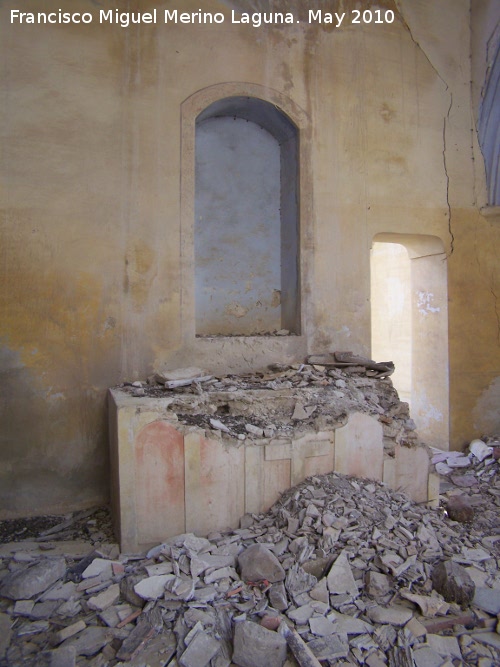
369,626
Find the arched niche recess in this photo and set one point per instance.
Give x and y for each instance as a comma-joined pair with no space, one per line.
246,226
246,267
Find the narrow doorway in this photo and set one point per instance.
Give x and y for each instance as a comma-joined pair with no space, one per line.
409,320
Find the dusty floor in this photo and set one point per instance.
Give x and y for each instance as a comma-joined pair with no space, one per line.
93,525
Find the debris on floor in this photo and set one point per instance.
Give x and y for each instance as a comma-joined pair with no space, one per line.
340,571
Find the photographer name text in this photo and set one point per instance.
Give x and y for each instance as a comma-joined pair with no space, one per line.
256,19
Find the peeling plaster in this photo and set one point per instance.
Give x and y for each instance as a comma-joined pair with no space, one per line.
424,303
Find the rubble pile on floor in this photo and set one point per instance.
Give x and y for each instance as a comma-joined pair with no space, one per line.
340,571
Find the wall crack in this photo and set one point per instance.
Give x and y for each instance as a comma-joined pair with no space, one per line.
445,123
445,167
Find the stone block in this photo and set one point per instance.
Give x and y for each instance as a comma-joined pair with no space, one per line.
105,599
266,476
159,482
340,578
453,582
258,563
359,448
24,584
254,646
200,651
412,472
214,488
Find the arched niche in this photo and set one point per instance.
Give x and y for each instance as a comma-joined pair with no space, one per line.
246,226
231,351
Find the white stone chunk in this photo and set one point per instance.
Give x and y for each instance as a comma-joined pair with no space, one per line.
480,449
152,588
301,615
98,567
321,626
340,578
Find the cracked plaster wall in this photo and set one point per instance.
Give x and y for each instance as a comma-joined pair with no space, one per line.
91,275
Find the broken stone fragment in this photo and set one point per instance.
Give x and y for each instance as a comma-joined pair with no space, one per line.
258,563
302,412
446,647
340,578
64,656
254,430
460,509
301,615
219,426
425,656
277,596
69,631
321,626
329,648
487,599
202,648
151,588
98,567
458,461
90,641
190,373
24,584
430,605
5,633
105,599
298,581
254,646
394,615
480,449
127,591
144,630
378,584
453,582
320,591
349,625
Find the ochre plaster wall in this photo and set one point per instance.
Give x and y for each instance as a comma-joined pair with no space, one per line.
91,268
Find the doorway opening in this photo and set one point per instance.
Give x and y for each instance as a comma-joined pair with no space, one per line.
391,312
409,321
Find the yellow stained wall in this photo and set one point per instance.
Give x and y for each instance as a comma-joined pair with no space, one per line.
91,206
